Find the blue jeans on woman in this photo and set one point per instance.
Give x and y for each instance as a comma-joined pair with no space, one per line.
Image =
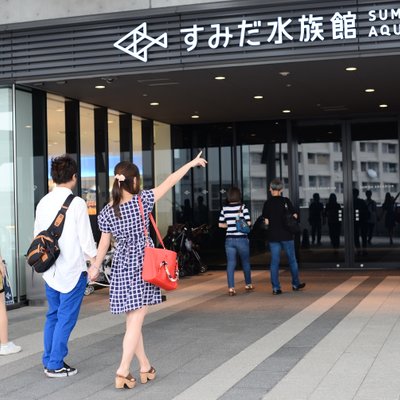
233,247
288,247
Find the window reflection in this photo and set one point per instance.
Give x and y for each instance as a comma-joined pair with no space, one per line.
55,129
137,143
114,147
88,167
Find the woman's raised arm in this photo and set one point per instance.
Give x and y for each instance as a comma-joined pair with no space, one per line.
176,176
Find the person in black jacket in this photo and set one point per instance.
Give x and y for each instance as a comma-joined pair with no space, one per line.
315,217
361,216
280,237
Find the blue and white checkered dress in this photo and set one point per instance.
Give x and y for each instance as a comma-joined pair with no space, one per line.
128,291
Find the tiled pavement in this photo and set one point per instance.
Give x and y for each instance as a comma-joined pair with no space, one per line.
338,339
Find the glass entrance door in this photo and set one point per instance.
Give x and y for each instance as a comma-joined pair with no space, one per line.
320,193
376,196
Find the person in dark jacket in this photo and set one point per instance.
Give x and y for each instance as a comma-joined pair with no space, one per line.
361,215
315,217
280,237
333,214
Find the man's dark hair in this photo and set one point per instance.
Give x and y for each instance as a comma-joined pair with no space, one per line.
63,168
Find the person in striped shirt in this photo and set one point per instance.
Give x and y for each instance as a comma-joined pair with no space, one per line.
236,242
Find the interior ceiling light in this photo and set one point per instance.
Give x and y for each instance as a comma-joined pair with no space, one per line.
100,87
154,103
383,106
258,97
351,69
219,78
195,116
284,73
370,90
286,111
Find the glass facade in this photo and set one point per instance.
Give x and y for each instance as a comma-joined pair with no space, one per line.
88,165
318,162
7,199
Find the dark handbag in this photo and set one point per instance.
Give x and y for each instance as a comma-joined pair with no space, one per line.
8,294
259,231
291,224
241,224
160,266
44,249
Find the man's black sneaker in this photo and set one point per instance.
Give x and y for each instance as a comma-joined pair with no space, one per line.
63,372
301,286
277,291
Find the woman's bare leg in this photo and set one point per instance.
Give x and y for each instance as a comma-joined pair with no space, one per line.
3,320
131,342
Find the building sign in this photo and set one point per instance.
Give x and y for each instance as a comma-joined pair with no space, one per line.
340,26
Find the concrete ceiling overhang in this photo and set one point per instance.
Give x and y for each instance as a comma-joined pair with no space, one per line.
309,89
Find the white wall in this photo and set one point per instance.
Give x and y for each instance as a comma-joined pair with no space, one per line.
13,11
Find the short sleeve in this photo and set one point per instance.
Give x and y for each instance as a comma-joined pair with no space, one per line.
103,220
246,213
222,217
147,197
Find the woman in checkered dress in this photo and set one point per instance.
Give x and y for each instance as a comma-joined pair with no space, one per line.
129,294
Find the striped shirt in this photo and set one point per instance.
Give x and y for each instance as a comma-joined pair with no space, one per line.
228,216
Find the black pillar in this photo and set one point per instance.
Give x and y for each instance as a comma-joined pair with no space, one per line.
72,136
40,154
125,135
101,152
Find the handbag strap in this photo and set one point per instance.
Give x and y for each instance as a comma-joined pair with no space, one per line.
58,223
146,233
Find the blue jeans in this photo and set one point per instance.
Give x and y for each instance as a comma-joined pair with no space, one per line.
61,318
234,246
288,247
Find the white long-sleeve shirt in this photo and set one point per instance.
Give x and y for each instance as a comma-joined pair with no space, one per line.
76,242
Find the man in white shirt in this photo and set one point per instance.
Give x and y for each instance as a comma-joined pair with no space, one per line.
67,278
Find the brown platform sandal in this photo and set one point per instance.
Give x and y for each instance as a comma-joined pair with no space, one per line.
122,382
149,375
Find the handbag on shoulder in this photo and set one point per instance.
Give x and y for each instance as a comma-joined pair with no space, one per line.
160,266
44,249
241,224
291,223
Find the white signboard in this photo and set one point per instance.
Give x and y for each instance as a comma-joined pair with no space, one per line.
341,26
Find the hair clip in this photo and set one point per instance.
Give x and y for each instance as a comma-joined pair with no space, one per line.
120,178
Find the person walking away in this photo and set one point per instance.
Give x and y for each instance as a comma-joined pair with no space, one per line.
315,216
66,280
6,347
333,216
280,237
236,243
129,294
388,210
361,215
373,215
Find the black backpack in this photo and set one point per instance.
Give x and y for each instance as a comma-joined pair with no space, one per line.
44,249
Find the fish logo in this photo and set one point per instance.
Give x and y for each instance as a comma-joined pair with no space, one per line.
135,38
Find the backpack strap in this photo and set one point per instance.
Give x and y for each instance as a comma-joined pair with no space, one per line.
57,225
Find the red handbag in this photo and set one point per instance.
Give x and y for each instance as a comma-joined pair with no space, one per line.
160,266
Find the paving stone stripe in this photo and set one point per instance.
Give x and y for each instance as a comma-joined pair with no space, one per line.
183,298
336,367
217,382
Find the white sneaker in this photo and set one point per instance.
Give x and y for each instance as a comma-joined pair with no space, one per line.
9,348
